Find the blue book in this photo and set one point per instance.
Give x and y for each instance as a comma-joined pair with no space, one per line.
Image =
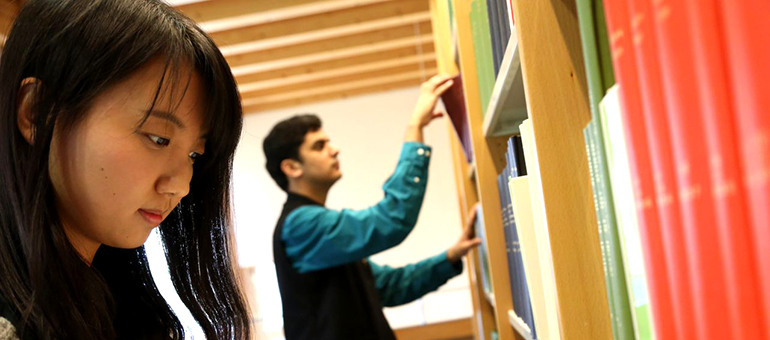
508,248
495,35
483,254
502,24
519,169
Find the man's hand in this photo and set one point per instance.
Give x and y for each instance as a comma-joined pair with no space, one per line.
423,112
467,241
429,93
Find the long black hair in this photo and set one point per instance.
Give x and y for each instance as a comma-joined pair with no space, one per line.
77,49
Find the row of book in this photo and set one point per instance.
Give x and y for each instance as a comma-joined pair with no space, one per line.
530,266
629,309
624,267
500,18
515,167
491,25
530,263
679,154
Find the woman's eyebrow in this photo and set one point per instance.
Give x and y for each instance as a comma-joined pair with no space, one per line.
169,117
165,115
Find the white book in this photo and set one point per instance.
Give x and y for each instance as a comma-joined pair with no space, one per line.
542,237
525,228
625,210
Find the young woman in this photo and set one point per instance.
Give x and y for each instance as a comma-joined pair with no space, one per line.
116,117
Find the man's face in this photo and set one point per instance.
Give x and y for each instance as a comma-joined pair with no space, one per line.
318,159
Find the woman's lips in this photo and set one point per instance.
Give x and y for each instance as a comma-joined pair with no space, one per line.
151,217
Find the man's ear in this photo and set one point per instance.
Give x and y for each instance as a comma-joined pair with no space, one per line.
292,168
25,100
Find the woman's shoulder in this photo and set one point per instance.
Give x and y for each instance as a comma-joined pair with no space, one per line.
7,331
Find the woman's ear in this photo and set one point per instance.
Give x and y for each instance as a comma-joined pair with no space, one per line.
25,117
292,168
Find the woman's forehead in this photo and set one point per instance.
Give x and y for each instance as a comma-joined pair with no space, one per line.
148,96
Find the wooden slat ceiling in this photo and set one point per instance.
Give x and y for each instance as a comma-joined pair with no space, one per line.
8,10
286,53
293,52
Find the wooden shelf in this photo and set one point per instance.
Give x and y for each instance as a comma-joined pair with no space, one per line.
541,78
557,103
519,325
487,165
490,298
508,105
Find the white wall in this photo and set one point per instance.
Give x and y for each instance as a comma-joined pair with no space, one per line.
369,130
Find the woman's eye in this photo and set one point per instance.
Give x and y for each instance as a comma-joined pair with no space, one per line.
160,141
194,156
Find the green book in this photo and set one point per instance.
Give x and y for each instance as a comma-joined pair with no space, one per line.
625,210
482,48
451,11
598,75
486,278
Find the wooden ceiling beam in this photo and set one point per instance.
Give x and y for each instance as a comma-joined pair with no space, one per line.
310,67
246,17
359,39
339,88
206,11
258,107
8,11
351,17
324,34
396,48
343,76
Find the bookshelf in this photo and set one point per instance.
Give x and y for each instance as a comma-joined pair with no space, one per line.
541,79
519,326
507,106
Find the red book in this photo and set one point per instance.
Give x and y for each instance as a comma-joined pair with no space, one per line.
746,35
727,191
691,165
454,103
638,71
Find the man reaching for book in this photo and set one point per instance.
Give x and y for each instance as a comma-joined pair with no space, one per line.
329,288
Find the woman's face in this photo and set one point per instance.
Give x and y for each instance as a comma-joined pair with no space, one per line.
115,180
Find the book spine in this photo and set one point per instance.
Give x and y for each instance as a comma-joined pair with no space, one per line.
494,32
502,25
646,128
691,166
482,52
727,190
617,289
746,35
516,165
